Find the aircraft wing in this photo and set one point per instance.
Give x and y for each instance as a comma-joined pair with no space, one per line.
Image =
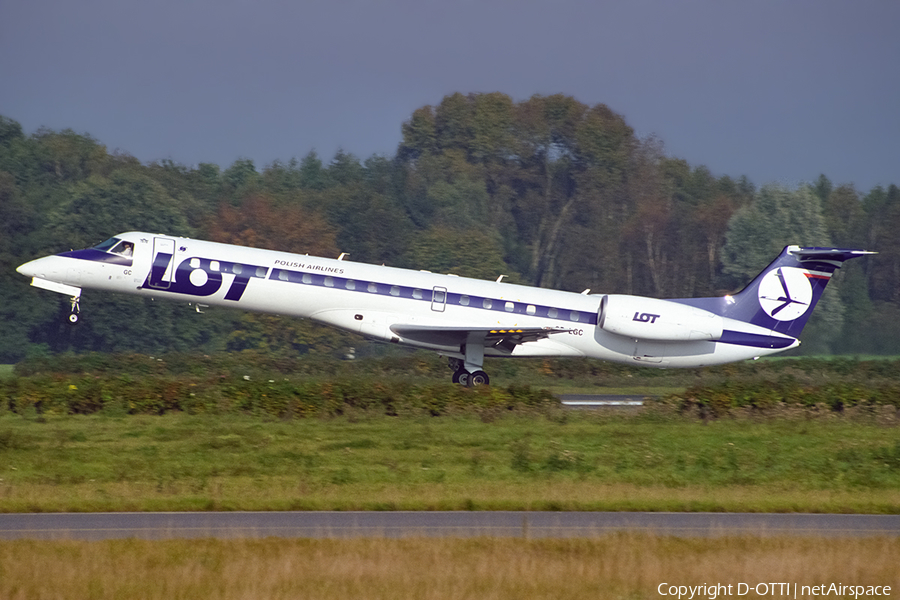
489,336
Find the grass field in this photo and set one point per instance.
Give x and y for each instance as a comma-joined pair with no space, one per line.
629,566
526,459
561,460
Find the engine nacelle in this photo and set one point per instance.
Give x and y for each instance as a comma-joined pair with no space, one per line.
652,319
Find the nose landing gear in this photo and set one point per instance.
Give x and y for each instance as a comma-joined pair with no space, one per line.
75,311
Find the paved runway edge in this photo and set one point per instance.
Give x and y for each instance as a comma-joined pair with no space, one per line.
154,526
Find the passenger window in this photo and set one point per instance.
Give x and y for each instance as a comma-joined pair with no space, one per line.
509,307
195,263
530,309
464,300
237,269
329,282
576,315
307,278
214,266
395,290
373,287
417,294
283,276
261,271
553,313
350,285
487,303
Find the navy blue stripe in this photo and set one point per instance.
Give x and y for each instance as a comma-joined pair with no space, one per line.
754,340
95,255
453,299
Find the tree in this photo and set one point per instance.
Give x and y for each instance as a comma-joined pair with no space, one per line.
257,222
465,253
101,207
556,192
345,169
882,208
68,156
844,216
312,175
241,178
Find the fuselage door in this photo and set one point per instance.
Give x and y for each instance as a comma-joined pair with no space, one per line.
162,271
439,299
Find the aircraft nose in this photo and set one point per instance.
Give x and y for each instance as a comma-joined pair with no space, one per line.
40,267
27,269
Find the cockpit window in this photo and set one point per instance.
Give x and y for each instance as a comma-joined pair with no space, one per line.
117,246
105,246
124,248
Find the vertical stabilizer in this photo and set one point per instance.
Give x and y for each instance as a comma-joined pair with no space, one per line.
782,297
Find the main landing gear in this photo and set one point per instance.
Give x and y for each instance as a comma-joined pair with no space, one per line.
464,377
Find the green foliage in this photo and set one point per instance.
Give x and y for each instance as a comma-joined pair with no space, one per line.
720,400
282,398
467,254
777,217
549,191
125,201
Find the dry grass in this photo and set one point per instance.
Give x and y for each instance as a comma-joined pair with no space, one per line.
613,566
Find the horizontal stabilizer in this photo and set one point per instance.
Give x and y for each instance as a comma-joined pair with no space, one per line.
836,255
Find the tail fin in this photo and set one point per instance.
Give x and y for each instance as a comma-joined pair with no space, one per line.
783,296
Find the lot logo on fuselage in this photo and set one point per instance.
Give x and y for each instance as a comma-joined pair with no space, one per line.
201,276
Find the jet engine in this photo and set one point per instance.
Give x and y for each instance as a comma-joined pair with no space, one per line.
652,319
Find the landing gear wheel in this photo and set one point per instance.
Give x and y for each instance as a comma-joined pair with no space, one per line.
74,318
461,377
478,378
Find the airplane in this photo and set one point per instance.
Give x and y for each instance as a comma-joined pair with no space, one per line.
462,319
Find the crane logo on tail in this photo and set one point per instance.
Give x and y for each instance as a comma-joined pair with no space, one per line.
785,293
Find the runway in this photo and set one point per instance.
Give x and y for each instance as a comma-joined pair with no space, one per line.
156,526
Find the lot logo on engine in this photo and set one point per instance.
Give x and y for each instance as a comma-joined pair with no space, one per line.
645,317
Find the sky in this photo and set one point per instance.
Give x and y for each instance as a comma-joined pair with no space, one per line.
777,90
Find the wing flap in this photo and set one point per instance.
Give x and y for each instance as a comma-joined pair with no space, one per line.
457,336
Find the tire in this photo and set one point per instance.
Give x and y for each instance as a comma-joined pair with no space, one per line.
478,378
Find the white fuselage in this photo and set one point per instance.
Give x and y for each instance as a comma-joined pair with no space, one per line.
370,299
